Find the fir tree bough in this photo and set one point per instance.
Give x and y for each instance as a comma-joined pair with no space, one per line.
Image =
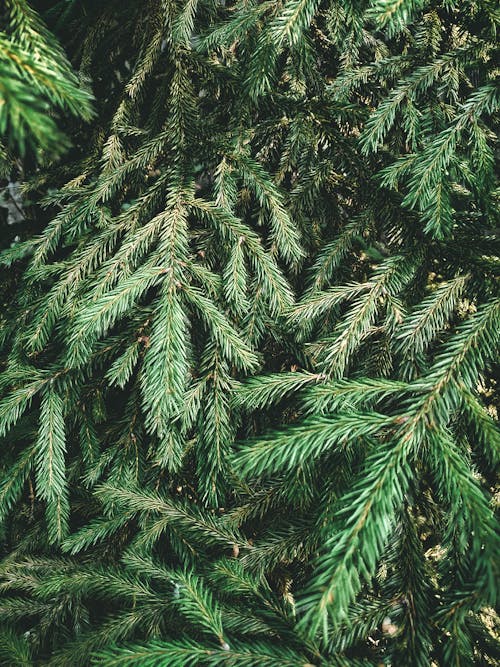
248,362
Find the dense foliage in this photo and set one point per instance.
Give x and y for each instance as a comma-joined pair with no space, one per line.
248,393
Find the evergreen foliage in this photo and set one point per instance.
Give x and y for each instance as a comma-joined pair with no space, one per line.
36,78
248,382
